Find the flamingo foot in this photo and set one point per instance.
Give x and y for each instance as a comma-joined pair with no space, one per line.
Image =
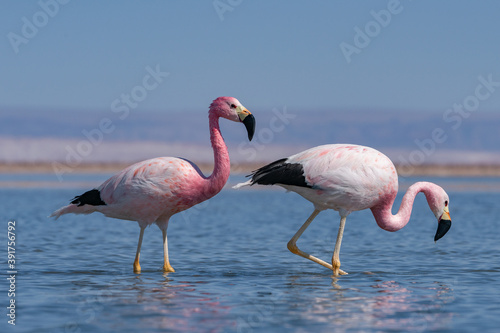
137,267
167,268
336,268
341,272
337,271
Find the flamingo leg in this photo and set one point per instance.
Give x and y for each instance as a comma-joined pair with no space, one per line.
166,264
336,251
137,267
292,244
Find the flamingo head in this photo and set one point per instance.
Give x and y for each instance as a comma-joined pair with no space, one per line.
439,203
230,108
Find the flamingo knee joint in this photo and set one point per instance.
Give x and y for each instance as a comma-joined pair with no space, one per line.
292,246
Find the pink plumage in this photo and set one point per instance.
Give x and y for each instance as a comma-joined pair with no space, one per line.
152,191
348,178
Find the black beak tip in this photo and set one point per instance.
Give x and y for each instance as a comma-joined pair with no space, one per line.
249,123
443,227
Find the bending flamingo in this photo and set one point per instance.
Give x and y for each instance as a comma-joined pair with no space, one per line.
152,191
348,178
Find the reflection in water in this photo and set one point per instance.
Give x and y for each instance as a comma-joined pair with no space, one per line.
390,306
244,279
360,304
398,307
164,305
180,306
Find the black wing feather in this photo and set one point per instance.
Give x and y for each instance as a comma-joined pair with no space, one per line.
280,172
92,197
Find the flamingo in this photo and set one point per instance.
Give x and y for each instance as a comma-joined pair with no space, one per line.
348,178
152,191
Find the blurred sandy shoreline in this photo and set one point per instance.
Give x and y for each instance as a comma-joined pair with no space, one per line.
106,168
455,178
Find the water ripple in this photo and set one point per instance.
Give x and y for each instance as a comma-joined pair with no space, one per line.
234,273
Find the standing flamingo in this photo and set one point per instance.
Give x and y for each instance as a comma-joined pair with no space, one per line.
152,191
348,178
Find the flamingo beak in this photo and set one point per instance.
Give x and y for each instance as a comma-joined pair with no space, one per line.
248,120
444,224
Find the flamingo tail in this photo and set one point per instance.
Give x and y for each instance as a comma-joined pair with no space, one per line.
279,172
73,209
81,204
247,183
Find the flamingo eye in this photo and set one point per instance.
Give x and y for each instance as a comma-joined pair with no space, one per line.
233,106
446,203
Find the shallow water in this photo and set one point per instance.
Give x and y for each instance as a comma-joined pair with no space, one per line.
234,273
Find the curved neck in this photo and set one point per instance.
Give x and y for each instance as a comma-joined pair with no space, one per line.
222,165
383,211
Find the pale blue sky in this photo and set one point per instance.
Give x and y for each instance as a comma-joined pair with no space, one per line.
265,53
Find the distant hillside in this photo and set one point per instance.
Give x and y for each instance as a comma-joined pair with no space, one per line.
45,135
